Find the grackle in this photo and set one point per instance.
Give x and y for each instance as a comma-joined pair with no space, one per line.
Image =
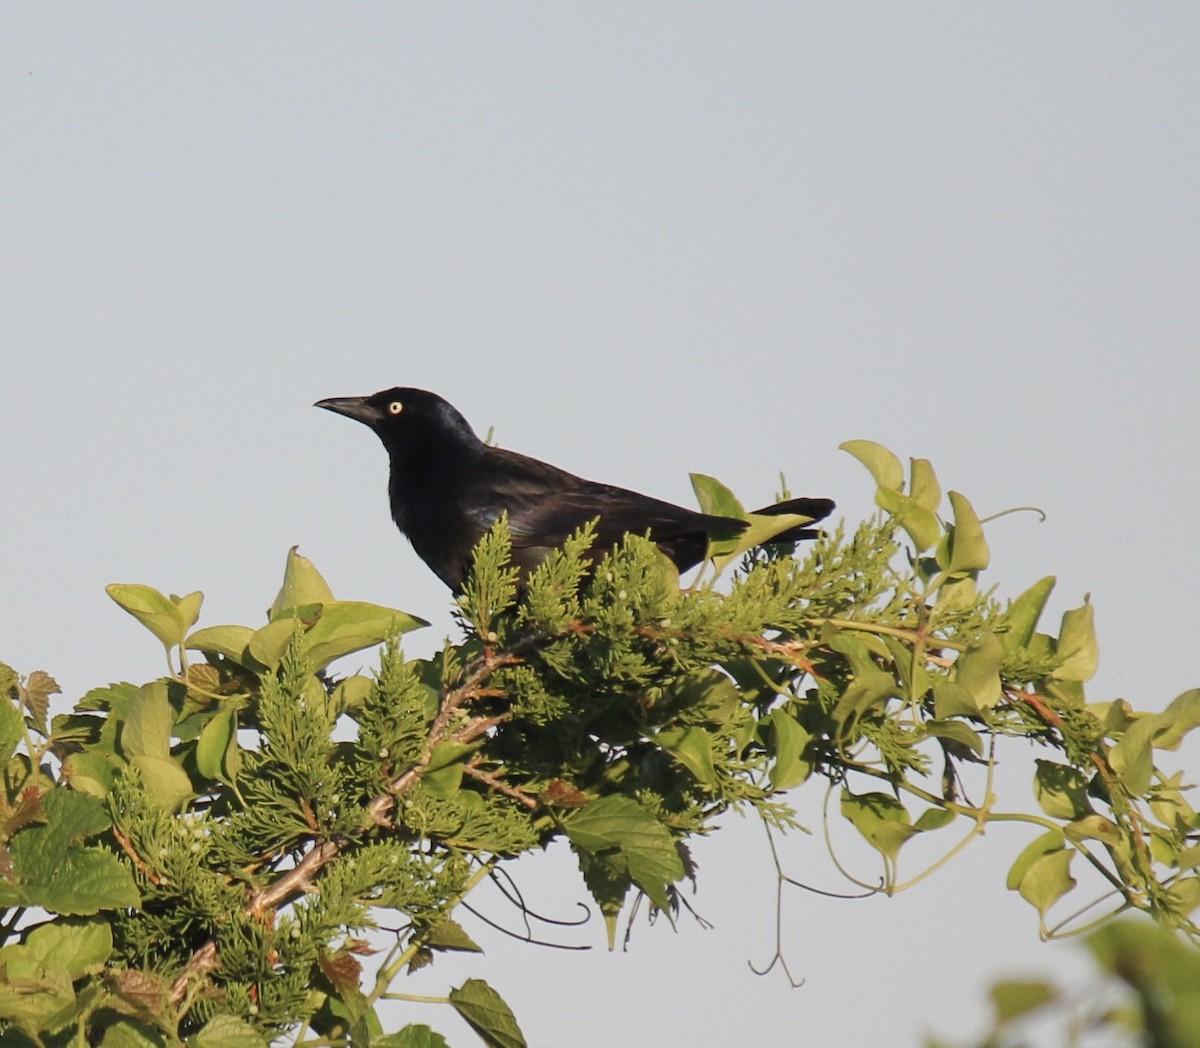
447,488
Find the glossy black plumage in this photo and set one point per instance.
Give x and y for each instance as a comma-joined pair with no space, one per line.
447,487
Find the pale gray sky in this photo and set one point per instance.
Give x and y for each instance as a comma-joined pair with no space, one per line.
639,239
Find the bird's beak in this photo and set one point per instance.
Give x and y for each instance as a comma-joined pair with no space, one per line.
352,407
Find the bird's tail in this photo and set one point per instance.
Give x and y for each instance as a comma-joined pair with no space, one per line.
817,509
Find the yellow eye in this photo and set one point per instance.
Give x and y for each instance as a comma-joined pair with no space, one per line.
395,407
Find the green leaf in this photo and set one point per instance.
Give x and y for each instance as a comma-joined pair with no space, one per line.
230,641
1047,843
934,819
951,699
760,528
414,1035
81,881
188,607
956,731
346,626
157,613
1177,720
692,747
715,498
1047,880
978,670
880,818
213,756
78,947
147,729
1163,970
93,772
1013,998
1061,790
267,645
486,1013
922,524
789,769
12,728
924,487
129,1033
1077,645
167,784
302,584
885,468
968,547
647,845
352,692
1024,612
450,935
31,996
226,1031
1131,757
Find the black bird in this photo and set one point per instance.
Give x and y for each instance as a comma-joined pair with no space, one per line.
448,487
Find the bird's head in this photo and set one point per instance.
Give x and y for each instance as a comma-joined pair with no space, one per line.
410,422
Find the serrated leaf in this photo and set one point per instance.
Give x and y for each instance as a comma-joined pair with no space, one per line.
31,996
76,946
486,1013
344,972
450,935
81,881
35,695
646,845
415,1035
885,468
25,810
12,728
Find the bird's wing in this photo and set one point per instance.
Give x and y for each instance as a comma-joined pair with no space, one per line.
546,504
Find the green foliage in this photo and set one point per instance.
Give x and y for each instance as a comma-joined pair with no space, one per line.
197,860
1145,993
